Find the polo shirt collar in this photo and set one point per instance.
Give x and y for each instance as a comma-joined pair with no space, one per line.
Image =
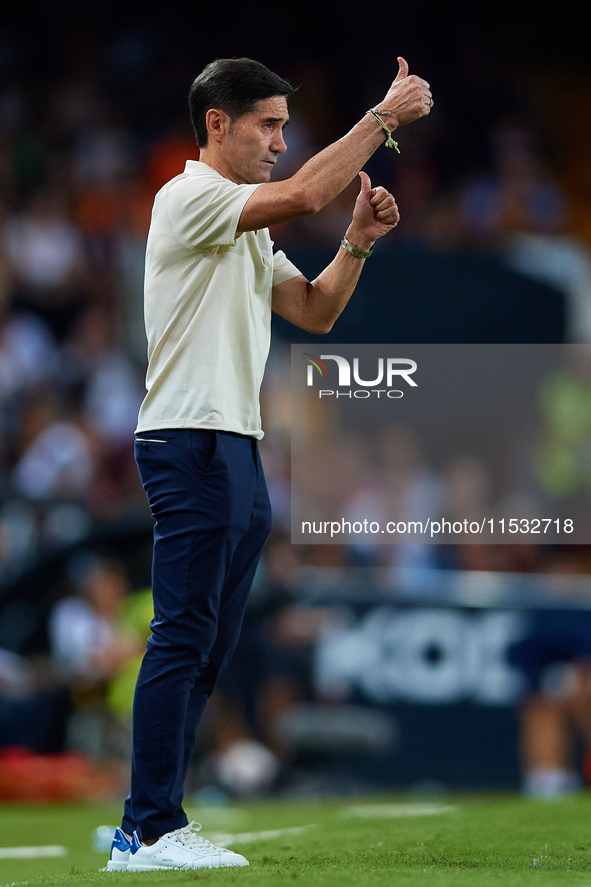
197,167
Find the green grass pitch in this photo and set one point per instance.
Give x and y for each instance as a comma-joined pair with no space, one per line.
462,840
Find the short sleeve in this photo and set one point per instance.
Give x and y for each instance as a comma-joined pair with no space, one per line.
283,269
204,211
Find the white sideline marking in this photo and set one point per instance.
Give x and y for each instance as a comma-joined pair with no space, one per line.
247,837
392,811
31,852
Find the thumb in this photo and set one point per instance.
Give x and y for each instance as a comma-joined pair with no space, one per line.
402,69
365,183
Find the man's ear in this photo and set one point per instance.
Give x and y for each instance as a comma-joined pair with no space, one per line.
218,124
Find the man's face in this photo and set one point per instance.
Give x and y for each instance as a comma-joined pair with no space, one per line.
255,139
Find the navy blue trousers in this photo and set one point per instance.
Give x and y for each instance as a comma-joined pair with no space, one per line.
208,496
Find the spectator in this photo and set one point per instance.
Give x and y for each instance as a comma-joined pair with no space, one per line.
112,392
28,354
555,657
33,714
48,259
89,645
60,460
518,195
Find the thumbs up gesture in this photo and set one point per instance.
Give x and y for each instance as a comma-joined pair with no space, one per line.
408,98
375,214
402,69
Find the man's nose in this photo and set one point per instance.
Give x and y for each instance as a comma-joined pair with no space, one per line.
278,145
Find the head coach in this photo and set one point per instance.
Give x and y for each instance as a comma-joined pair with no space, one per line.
212,280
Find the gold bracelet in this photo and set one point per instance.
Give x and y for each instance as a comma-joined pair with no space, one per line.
390,143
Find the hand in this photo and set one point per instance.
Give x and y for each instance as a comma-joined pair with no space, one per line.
408,99
374,215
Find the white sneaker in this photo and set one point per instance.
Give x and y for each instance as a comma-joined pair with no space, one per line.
120,851
181,849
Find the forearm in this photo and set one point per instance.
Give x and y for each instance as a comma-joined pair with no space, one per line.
329,172
314,306
317,182
329,293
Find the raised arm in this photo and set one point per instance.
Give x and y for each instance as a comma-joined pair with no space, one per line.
314,306
326,174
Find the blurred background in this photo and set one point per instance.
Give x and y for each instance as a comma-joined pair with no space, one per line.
354,672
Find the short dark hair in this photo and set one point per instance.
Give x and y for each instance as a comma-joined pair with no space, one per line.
234,86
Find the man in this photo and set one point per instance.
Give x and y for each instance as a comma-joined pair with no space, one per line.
211,283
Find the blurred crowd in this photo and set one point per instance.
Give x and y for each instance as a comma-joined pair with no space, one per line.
80,162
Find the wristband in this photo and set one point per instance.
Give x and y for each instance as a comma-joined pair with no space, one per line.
390,143
355,251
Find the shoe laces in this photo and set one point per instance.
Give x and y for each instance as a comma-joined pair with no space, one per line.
188,836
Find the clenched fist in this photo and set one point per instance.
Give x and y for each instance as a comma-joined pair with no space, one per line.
375,214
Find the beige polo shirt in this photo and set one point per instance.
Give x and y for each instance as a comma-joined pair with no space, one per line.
207,306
